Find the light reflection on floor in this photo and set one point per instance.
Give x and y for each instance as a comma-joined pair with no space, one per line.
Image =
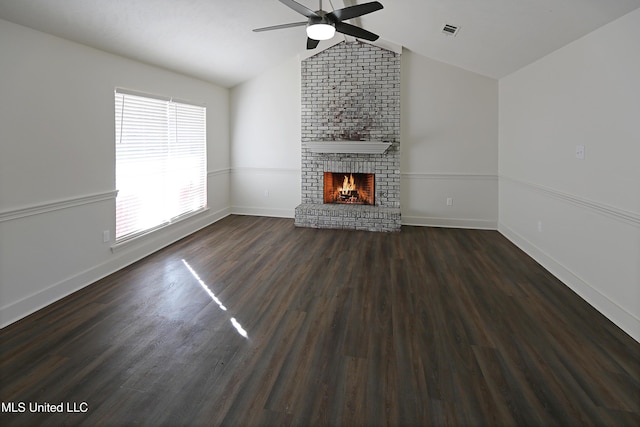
234,322
239,328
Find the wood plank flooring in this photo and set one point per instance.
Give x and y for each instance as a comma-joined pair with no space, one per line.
424,327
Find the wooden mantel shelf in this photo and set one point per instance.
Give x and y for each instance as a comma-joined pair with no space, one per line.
360,147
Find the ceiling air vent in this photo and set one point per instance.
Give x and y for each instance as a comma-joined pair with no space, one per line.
450,30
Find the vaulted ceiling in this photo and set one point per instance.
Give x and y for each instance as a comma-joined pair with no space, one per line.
212,39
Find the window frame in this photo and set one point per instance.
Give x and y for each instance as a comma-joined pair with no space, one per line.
178,147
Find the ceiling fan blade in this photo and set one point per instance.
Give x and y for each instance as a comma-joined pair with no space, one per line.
352,30
279,27
300,8
311,43
355,11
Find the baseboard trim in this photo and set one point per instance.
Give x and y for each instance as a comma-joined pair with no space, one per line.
481,224
32,303
256,211
618,315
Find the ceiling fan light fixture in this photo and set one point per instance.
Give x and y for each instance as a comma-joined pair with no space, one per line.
323,25
321,31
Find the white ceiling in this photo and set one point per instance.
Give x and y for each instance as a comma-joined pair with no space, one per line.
212,39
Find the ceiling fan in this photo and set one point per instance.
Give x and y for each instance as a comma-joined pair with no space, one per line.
322,25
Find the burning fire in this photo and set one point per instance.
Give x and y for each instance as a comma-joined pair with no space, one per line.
348,185
356,188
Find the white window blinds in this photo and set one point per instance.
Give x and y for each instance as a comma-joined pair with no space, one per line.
160,162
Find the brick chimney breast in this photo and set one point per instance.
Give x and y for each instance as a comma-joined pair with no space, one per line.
351,92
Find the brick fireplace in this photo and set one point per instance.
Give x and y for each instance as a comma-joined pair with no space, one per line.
351,126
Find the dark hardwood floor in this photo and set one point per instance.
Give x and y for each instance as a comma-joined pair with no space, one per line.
424,327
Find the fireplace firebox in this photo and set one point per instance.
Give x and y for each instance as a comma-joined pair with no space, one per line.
349,188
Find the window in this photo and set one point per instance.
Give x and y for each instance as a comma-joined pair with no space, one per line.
160,162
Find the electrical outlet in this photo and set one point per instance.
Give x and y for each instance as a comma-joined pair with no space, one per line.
449,201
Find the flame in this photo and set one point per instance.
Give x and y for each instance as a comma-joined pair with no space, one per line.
349,184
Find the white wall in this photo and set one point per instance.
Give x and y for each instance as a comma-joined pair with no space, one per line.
587,93
57,164
266,144
449,145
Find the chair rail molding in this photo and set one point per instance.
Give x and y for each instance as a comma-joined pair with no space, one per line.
217,172
56,205
249,169
622,215
449,176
